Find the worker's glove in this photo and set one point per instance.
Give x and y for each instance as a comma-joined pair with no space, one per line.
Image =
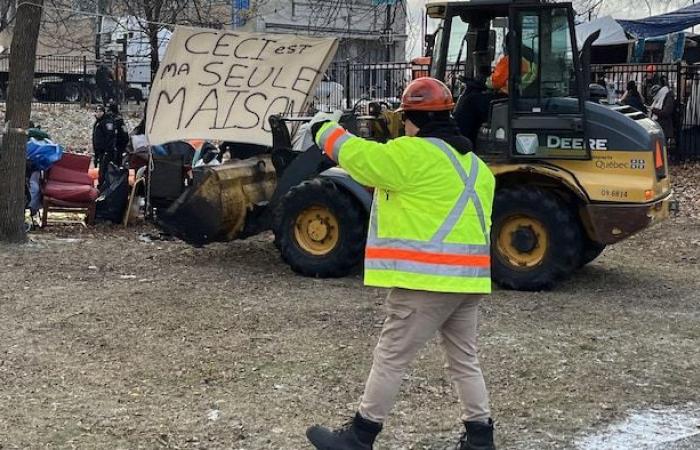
320,118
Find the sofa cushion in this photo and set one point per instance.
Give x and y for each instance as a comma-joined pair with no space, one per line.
70,192
74,161
66,175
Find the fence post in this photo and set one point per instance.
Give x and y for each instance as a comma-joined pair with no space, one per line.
348,100
680,80
84,99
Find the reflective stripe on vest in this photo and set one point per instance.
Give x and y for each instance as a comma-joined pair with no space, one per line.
435,257
332,139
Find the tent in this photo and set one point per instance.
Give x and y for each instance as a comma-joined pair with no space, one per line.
613,44
611,33
664,23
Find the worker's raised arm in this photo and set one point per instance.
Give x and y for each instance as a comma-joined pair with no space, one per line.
385,166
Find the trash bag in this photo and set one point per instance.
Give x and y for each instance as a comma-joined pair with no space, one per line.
42,154
112,202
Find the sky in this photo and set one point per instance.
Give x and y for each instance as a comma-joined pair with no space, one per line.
619,9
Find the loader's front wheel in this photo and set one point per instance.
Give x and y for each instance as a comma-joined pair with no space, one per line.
536,239
591,250
320,229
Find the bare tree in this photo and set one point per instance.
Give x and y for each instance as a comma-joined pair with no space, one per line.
8,9
587,9
159,14
19,100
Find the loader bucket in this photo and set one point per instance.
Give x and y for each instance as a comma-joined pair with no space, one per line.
216,206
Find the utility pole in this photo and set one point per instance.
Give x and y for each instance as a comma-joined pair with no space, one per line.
19,106
99,11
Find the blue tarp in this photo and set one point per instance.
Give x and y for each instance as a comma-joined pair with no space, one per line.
42,154
664,23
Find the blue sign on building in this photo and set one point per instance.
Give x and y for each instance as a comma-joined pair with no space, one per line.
239,7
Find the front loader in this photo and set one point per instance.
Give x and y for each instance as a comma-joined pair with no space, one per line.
573,176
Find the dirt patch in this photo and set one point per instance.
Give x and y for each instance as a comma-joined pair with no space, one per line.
111,342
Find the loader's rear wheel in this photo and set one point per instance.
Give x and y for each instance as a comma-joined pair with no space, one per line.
536,239
320,229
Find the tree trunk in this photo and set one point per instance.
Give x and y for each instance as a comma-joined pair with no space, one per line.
19,104
153,30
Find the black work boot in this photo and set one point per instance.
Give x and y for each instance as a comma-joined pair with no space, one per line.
479,436
358,434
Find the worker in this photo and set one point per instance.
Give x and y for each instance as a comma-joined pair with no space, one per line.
473,107
428,241
498,81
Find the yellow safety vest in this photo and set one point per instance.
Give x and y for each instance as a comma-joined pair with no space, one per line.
431,215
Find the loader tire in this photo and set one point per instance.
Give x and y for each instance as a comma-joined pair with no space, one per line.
536,239
72,93
320,230
591,250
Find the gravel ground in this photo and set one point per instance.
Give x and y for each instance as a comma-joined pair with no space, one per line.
111,342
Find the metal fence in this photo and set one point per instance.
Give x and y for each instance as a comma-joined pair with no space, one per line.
684,83
351,84
70,80
348,84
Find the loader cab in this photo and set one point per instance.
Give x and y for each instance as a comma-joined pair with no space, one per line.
539,113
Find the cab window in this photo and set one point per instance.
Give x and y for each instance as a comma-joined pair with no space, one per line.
547,62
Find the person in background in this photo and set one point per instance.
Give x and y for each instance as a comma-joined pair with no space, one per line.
651,79
105,82
662,108
109,139
632,97
122,134
103,137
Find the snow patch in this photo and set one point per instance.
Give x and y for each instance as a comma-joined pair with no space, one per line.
644,429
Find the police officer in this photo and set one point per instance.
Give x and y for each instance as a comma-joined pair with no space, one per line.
122,134
103,140
109,139
428,241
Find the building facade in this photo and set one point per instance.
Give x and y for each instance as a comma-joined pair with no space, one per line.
370,31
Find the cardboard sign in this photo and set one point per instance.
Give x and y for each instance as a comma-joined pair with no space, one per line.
224,85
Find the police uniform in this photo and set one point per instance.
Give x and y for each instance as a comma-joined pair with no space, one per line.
109,139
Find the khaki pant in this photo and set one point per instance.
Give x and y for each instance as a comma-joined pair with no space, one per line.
413,318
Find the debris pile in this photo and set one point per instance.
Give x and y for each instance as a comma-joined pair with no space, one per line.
685,178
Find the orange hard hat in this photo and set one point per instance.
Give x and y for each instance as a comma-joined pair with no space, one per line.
426,94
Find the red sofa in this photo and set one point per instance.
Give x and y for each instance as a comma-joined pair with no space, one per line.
68,187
